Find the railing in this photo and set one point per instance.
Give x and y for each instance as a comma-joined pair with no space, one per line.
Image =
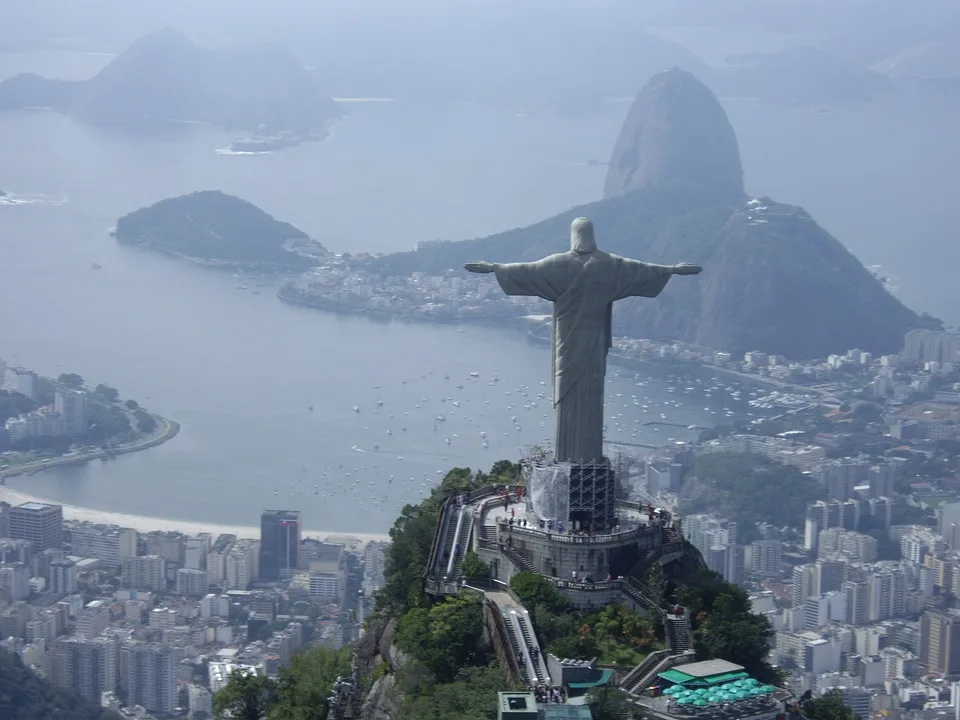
432,557
456,540
638,531
642,674
648,663
517,560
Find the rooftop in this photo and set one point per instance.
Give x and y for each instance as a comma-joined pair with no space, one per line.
34,506
707,668
511,702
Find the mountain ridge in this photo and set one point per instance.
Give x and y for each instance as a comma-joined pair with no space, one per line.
165,77
773,279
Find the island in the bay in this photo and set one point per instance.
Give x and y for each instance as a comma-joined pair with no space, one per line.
220,230
54,421
261,90
776,281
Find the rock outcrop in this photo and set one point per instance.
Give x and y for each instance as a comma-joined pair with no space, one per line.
165,77
773,279
676,134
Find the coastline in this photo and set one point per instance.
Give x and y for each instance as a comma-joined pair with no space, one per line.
524,323
144,523
168,431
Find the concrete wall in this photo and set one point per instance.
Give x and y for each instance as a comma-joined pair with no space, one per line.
558,555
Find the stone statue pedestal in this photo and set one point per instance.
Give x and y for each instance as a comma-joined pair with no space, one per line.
593,496
580,495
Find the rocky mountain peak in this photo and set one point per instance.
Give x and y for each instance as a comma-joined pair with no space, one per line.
676,134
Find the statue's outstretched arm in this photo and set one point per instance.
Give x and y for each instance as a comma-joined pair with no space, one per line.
481,266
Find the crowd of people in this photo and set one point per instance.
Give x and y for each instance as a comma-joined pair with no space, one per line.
549,695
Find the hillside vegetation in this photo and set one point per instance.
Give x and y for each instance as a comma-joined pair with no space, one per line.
213,226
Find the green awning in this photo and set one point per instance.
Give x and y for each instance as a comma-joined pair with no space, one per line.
725,677
675,676
602,679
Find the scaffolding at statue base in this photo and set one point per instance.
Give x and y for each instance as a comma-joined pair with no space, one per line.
580,495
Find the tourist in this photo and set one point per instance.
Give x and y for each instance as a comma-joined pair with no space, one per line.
573,575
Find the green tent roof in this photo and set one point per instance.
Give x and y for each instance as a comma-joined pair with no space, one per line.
602,679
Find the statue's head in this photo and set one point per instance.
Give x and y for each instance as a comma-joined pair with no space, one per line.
581,236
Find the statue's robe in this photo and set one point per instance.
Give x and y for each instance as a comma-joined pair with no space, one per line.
582,288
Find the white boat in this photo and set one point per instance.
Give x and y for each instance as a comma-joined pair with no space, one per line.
356,409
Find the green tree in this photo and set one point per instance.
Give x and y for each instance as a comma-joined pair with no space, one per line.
411,538
534,589
306,684
245,697
474,567
444,638
25,695
13,404
610,703
829,706
725,627
106,421
70,380
505,470
471,696
107,393
146,423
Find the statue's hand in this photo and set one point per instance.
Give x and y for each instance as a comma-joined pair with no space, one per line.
687,269
481,266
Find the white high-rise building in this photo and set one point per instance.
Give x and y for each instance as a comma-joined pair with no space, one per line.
152,677
766,557
214,606
805,583
14,581
217,558
886,595
21,381
200,700
72,406
93,619
192,582
241,564
63,576
145,572
86,666
107,543
195,553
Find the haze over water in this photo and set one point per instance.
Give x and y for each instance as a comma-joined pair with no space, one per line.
239,370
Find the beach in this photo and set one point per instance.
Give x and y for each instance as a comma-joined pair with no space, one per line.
143,524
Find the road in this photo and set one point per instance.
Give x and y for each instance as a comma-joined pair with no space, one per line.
166,430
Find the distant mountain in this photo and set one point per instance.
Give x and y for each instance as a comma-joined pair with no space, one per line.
676,133
165,77
219,229
773,279
798,76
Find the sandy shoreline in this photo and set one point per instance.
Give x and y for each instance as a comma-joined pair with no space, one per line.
143,523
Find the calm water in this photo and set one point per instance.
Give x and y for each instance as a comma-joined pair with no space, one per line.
239,370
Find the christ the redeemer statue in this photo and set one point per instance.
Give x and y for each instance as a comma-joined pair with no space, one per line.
582,284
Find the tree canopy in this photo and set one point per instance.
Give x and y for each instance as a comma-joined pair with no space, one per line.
724,626
24,695
445,637
750,489
300,693
829,706
70,380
